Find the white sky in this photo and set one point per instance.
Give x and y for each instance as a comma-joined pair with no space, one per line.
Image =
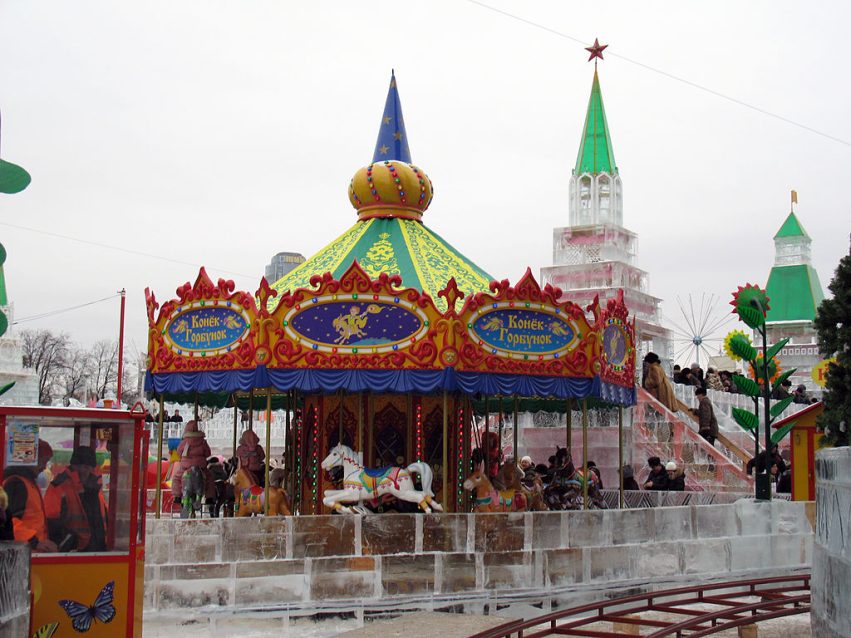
220,133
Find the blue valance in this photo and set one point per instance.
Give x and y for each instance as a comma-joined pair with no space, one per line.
398,381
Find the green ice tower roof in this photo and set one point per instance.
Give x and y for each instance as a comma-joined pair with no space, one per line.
595,151
793,284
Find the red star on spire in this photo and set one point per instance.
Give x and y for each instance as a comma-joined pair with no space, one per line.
596,50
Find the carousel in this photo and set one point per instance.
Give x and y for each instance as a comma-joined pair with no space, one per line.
383,346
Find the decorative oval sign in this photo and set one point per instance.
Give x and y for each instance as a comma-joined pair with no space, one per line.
355,323
523,331
206,329
614,345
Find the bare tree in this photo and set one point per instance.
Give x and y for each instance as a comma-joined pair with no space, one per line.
104,367
46,353
78,369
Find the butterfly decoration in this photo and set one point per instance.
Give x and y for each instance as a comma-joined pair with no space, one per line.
82,616
46,630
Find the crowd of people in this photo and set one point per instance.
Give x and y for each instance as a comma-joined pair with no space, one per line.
723,381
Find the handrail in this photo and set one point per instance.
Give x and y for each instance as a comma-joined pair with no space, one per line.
721,437
654,601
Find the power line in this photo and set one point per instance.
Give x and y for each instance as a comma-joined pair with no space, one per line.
50,313
121,249
665,73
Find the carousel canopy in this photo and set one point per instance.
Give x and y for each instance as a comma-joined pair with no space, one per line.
391,195
389,307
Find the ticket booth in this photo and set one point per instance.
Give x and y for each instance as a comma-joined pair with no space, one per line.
805,443
95,590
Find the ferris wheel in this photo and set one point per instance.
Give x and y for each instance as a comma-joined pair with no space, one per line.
698,333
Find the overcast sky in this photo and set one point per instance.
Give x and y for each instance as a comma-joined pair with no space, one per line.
220,133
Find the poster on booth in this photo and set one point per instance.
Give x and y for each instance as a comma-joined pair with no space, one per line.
22,446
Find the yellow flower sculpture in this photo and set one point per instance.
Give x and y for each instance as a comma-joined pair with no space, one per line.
734,352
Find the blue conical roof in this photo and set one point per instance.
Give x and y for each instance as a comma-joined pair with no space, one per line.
392,141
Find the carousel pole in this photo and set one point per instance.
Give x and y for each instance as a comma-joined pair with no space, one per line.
516,430
620,452
469,426
486,438
568,418
195,412
370,430
160,458
445,469
288,439
585,454
268,449
235,423
340,420
499,425
360,424
251,409
296,478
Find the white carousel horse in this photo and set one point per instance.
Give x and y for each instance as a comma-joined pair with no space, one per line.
360,483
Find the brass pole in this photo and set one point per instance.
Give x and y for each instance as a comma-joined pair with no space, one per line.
235,423
569,421
288,441
368,458
620,452
340,421
268,448
445,501
160,459
486,438
196,407
585,454
516,430
360,423
251,409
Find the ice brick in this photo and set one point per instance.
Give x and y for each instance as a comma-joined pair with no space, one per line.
180,594
633,526
562,567
659,559
388,534
255,538
196,549
456,572
673,523
706,556
315,536
500,532
715,521
549,530
407,575
754,518
507,570
445,532
353,577
610,563
589,528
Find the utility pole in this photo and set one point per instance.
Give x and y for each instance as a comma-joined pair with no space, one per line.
121,292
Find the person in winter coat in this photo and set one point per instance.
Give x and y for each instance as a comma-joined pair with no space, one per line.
713,381
676,477
75,507
7,532
251,455
192,451
707,423
658,478
656,382
629,482
26,507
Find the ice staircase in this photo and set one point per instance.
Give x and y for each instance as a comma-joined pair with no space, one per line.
673,436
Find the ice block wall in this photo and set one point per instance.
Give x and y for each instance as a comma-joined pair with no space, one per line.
14,589
311,564
831,604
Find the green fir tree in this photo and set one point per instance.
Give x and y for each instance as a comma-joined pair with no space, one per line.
833,323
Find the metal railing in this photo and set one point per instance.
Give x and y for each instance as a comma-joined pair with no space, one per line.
699,610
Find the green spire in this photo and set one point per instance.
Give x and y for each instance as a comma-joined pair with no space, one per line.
791,228
794,293
595,152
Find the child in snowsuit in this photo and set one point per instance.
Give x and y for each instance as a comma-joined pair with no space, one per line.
192,451
251,456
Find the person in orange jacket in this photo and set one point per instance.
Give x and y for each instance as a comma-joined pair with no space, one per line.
26,507
74,505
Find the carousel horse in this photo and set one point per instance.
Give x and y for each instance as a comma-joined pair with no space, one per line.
489,499
251,498
567,485
363,484
534,491
222,501
194,491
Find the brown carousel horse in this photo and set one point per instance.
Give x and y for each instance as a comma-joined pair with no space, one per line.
250,497
489,499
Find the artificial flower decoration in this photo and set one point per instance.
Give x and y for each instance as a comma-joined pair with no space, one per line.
773,370
738,346
751,304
